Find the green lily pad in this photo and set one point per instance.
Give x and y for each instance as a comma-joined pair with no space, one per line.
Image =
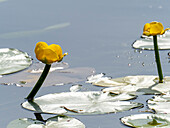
13,60
146,84
146,43
147,120
59,74
60,121
160,104
74,103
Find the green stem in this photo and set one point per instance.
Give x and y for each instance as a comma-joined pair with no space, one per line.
39,117
158,59
39,83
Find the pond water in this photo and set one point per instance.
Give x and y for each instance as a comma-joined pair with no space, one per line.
96,34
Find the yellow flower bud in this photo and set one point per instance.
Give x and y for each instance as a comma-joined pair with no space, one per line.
48,54
154,28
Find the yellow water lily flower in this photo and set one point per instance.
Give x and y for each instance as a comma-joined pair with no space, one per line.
154,28
48,54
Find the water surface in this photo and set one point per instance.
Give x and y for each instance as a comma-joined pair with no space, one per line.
95,33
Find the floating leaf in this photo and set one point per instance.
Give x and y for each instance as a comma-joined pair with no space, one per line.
13,60
75,88
100,80
81,103
59,74
60,121
147,42
147,120
146,84
160,104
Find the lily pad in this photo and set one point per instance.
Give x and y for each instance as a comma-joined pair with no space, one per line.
73,103
13,60
146,42
146,84
101,80
60,121
59,74
160,104
75,88
147,120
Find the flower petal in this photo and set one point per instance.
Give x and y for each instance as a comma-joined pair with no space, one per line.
146,29
154,28
39,46
58,50
48,54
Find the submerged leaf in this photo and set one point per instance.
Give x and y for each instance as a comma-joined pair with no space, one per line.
146,84
59,74
54,122
13,60
32,32
147,120
3,0
147,42
81,103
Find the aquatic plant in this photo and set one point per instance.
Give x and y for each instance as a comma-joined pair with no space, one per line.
59,74
154,29
13,60
81,103
59,121
147,120
47,54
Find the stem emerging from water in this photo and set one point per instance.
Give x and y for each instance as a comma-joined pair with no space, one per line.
39,117
158,59
39,83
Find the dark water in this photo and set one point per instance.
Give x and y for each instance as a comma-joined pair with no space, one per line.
95,33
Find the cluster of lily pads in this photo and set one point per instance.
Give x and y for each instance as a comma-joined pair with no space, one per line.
145,84
59,104
113,98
